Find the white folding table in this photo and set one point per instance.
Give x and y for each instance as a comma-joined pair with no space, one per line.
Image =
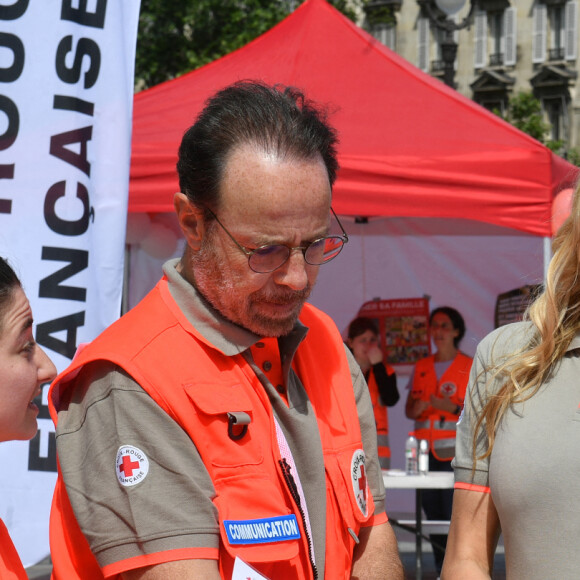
396,479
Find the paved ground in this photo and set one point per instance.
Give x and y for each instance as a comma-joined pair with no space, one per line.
406,548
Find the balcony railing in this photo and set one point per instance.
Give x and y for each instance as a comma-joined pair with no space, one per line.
556,53
496,59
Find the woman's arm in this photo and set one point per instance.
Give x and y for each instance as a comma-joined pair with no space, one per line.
473,537
387,385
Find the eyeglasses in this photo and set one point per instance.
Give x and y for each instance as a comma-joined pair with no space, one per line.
270,257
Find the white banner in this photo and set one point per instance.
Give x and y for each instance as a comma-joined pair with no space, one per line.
66,94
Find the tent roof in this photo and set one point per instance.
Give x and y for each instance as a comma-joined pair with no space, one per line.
409,145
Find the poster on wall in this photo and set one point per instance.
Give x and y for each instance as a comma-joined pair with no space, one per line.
510,306
66,97
403,328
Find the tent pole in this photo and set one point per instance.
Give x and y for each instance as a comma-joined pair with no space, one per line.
547,254
126,278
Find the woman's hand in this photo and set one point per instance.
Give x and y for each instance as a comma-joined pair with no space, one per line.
375,355
415,407
443,403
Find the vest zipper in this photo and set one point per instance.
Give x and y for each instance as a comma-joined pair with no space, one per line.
289,478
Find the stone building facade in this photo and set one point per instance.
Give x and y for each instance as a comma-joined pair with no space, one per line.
510,46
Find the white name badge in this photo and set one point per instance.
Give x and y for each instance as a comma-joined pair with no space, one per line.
243,571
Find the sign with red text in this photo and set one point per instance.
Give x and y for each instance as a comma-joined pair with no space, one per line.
403,328
66,96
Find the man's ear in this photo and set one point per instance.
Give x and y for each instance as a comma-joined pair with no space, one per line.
190,219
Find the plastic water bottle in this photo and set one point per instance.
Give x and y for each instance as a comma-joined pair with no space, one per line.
423,456
411,455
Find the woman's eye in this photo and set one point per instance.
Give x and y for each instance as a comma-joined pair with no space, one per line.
29,347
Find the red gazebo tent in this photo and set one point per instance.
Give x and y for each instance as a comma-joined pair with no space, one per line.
409,145
411,148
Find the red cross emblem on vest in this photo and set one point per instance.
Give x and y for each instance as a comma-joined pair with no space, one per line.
362,482
448,389
128,466
359,480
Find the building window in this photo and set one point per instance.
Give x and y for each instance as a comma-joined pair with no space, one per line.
423,51
495,38
386,34
430,38
495,105
555,32
556,112
381,20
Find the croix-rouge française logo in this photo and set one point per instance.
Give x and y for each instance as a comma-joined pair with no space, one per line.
359,480
132,465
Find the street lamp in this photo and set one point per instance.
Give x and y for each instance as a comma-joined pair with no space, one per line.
441,20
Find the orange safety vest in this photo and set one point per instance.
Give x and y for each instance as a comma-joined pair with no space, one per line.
380,412
439,427
10,565
155,344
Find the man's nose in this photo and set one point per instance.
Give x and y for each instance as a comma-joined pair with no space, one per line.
293,273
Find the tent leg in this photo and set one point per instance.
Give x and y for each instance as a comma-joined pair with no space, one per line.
126,277
547,255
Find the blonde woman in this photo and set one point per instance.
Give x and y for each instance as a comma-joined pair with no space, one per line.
517,463
24,367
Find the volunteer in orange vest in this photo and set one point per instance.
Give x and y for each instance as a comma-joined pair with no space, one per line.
435,400
363,341
24,367
222,424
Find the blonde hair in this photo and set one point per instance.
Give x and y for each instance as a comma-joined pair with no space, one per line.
556,318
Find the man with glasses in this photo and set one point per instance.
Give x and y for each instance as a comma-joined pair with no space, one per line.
221,423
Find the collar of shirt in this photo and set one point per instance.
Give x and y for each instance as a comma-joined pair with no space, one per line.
225,336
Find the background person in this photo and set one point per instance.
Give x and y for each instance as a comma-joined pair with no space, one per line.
24,368
223,416
363,341
436,393
522,412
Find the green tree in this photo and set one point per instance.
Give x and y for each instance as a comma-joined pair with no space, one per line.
177,36
525,112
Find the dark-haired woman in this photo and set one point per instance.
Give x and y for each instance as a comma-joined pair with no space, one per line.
363,341
24,367
435,400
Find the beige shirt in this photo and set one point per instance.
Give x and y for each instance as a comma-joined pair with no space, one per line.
534,469
175,510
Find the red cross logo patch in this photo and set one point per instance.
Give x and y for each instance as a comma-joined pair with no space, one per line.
359,480
448,389
132,465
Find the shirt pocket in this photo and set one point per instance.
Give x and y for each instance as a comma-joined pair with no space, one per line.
349,505
219,442
347,475
255,522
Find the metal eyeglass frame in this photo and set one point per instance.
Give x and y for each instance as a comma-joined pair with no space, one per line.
249,253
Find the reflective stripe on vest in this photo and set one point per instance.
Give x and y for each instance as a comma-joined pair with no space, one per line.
437,425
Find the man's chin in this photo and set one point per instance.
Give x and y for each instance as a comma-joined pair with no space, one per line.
273,327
